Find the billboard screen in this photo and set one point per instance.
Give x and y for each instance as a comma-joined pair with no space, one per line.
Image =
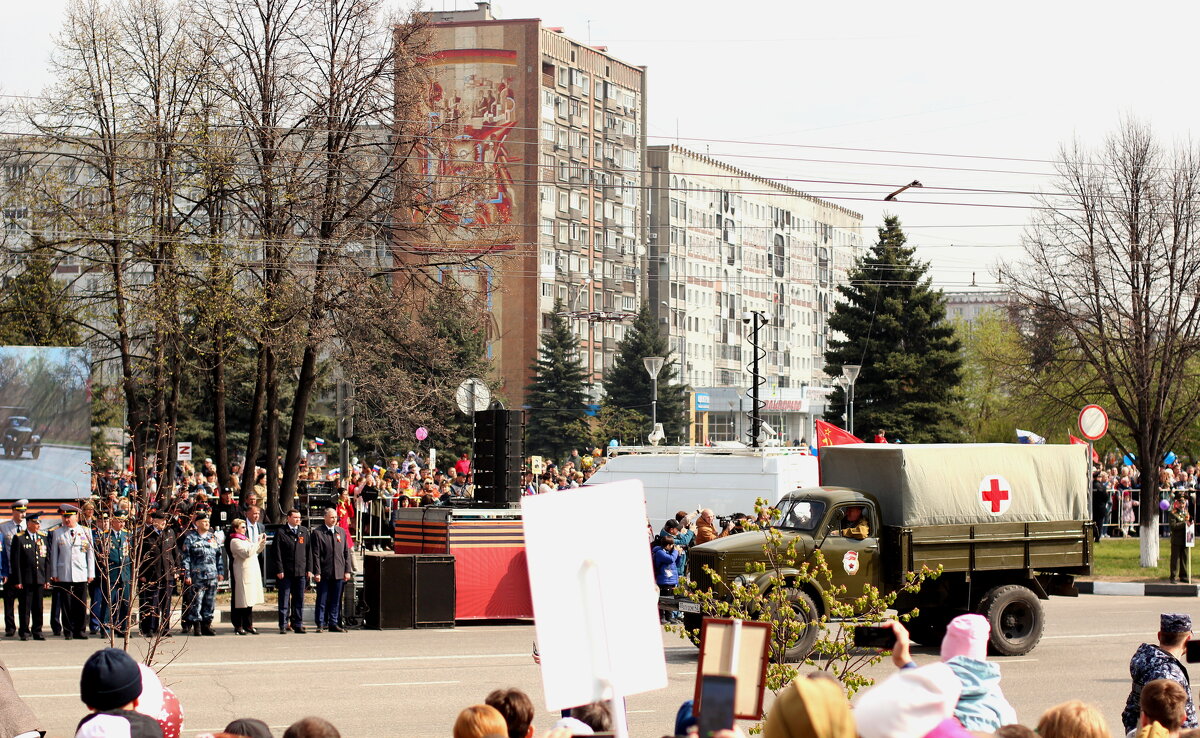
45,423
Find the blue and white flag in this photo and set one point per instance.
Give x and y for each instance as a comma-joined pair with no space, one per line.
1024,436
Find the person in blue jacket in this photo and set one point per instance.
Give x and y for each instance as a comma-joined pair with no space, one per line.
665,556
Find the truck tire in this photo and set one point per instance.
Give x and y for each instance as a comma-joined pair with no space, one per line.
1016,617
807,613
691,622
36,452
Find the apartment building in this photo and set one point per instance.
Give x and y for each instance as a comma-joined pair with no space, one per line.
558,128
970,305
725,242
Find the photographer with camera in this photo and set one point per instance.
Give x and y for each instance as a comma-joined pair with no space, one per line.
706,527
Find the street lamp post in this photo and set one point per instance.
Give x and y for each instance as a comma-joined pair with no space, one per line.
850,372
653,366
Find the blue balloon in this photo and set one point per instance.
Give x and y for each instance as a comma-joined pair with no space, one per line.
613,443
1127,460
1170,458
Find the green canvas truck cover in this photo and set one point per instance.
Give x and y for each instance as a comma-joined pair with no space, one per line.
960,484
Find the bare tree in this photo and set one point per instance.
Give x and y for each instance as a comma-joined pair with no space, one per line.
1112,261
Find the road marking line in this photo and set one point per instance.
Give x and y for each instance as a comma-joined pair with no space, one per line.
1012,661
405,684
31,696
1094,635
639,712
283,662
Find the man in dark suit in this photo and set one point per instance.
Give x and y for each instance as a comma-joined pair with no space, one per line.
332,568
29,575
292,566
156,575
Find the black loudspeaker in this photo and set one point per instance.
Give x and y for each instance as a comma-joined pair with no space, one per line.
499,452
409,590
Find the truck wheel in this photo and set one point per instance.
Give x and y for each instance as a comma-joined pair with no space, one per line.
36,452
1016,617
807,630
691,622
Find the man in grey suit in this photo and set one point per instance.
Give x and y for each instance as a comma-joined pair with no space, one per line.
72,568
8,529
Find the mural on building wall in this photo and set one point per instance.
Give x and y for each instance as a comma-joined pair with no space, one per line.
472,109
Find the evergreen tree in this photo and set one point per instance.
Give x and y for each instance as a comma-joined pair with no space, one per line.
628,386
893,323
557,397
35,309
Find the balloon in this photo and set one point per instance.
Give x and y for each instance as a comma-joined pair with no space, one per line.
160,703
1163,505
422,433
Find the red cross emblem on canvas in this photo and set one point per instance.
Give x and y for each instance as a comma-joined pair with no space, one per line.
995,495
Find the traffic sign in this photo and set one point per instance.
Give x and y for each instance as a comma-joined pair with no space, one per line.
1093,422
183,451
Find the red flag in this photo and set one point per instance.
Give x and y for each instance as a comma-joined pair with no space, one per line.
829,434
1095,456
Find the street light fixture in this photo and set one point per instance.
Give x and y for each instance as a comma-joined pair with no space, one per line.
850,372
653,366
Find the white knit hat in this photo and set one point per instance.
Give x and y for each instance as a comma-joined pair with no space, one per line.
909,703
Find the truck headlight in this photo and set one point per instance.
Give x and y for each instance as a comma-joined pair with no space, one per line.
36,438
741,580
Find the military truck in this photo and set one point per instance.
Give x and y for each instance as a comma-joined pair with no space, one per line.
1008,524
18,435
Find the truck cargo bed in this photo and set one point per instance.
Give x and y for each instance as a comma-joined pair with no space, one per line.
1055,546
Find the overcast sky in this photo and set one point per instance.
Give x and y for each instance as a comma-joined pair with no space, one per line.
957,78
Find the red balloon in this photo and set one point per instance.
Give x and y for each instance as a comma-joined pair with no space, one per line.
171,717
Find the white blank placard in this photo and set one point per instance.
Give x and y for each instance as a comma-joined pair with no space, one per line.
595,603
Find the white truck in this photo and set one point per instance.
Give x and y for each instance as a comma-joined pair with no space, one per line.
726,480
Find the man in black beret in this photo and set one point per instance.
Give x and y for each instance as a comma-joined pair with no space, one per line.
1163,660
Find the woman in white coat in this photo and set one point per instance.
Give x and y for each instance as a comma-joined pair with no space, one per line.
246,584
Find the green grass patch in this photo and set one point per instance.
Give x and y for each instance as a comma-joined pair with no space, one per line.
1117,558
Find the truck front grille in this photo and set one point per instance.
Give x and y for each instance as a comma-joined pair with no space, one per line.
697,560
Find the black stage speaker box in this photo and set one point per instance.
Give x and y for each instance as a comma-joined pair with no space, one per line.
499,453
409,590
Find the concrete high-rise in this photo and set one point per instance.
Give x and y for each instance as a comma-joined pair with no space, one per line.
724,242
556,129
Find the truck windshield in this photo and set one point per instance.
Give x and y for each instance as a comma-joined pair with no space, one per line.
802,515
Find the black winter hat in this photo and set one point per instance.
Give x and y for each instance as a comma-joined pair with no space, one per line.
110,679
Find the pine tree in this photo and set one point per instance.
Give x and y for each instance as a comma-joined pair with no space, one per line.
35,309
557,397
893,324
627,385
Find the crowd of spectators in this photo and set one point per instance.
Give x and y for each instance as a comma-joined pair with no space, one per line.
956,696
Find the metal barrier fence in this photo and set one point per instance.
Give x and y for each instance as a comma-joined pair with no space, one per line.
1123,519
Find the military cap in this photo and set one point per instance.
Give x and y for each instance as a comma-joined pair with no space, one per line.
66,509
158,515
33,516
20,505
1174,622
201,516
119,514
102,516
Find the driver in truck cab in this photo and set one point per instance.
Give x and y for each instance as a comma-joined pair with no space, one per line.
854,525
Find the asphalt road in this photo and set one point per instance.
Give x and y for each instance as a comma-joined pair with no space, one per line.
413,683
58,473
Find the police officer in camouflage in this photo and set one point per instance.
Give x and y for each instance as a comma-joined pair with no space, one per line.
1163,660
203,568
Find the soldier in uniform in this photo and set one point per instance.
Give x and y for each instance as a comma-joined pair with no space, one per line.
72,568
116,571
96,588
1163,660
29,575
203,568
9,528
156,575
1179,521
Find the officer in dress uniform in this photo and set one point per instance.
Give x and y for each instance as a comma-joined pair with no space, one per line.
72,569
29,575
116,572
9,528
203,567
99,526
